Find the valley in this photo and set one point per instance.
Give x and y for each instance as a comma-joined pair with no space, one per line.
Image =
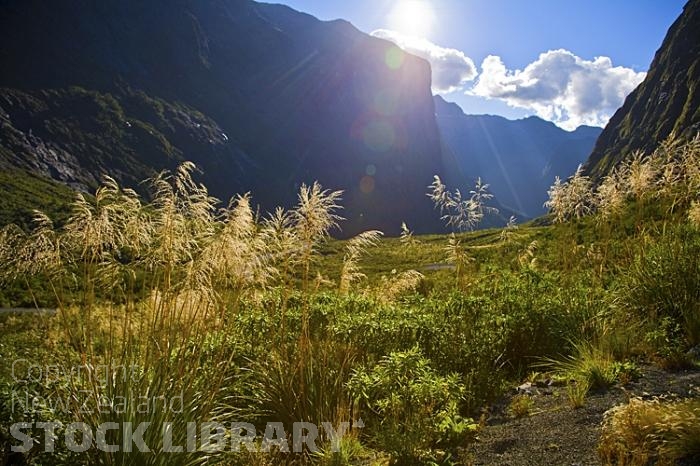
233,233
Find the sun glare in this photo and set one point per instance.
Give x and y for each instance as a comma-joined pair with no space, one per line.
413,17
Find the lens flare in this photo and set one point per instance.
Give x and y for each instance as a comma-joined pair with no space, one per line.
394,57
367,184
379,135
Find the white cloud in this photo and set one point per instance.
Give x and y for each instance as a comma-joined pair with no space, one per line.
560,87
451,68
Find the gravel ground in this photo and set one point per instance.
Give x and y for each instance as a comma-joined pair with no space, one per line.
555,433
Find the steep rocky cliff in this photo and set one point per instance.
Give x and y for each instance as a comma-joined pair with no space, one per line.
667,101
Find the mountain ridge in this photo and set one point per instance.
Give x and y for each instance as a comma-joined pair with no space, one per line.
519,159
666,102
280,98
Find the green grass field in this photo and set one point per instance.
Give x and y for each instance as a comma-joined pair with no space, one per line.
271,320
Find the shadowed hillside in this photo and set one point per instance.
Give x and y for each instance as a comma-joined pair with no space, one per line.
260,96
519,159
667,101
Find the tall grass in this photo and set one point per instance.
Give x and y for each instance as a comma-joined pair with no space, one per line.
663,282
355,248
151,286
651,432
658,277
571,199
458,212
231,313
671,171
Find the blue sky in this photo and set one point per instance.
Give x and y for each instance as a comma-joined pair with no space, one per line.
521,57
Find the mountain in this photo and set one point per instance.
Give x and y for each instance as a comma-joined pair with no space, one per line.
519,159
667,101
261,97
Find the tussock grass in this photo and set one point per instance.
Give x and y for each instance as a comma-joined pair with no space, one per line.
588,365
153,285
571,199
356,247
651,432
520,406
458,212
262,317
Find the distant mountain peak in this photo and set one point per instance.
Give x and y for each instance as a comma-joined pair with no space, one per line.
444,107
519,159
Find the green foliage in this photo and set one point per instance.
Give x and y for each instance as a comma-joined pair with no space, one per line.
667,344
408,407
626,371
235,311
22,193
662,287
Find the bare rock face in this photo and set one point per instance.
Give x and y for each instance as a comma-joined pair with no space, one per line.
667,101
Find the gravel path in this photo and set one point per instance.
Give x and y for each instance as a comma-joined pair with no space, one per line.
556,434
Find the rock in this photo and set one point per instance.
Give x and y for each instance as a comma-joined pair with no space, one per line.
694,353
179,103
541,383
526,389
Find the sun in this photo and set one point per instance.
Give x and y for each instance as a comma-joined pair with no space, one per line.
412,17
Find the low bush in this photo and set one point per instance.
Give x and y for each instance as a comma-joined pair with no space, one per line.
408,408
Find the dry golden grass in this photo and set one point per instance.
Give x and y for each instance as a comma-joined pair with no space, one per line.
673,170
153,285
610,194
651,432
572,199
354,250
694,214
401,284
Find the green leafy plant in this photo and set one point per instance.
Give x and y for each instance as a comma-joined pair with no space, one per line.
520,406
409,408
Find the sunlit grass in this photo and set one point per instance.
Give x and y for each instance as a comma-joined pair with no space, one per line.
266,318
651,432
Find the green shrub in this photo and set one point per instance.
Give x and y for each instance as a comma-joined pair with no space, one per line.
408,408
